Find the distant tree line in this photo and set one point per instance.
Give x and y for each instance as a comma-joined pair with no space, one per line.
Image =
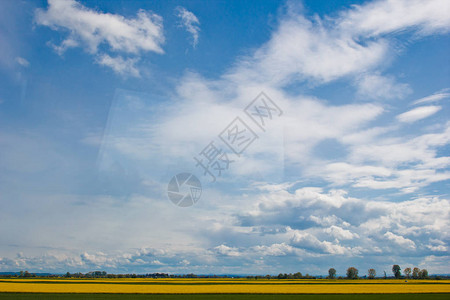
297,275
103,274
352,273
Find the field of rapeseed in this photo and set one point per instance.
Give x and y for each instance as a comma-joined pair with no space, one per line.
223,286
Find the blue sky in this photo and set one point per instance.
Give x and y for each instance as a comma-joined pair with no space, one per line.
103,102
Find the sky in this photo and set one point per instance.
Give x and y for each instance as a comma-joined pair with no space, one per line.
319,132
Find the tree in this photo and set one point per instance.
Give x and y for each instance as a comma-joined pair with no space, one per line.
423,274
372,273
352,273
332,273
396,270
415,273
407,272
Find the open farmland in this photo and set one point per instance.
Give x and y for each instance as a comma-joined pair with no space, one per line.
223,286
225,149
23,296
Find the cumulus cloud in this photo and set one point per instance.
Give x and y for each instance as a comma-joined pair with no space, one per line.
311,242
407,225
90,29
401,241
418,113
414,230
341,233
189,22
227,251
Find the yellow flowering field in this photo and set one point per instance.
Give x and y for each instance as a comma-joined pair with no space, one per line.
197,286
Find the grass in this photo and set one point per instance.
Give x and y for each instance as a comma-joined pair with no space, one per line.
26,296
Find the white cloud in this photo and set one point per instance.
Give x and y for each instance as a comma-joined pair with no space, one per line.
275,249
227,251
22,61
355,42
119,65
418,113
439,248
98,259
395,151
190,22
341,233
374,86
90,29
438,96
437,263
343,173
156,263
414,225
381,158
410,230
308,241
387,16
301,49
401,241
66,44
328,220
437,245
